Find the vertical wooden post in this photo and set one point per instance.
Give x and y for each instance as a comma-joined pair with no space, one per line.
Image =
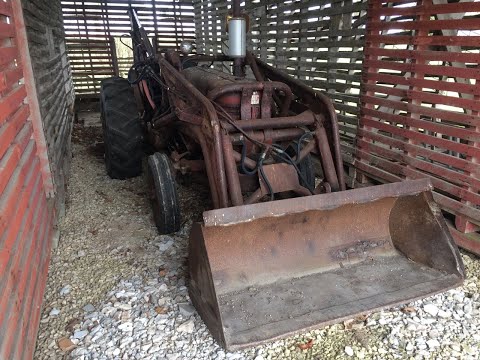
372,4
113,51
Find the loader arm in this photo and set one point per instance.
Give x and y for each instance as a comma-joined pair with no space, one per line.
142,47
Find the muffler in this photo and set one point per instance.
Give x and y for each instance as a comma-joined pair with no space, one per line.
264,271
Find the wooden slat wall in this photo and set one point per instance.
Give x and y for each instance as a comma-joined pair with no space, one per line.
418,108
320,42
92,26
25,215
54,85
420,101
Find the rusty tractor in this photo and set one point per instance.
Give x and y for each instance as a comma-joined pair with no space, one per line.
286,247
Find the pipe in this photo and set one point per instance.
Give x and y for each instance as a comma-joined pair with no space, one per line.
306,150
238,68
255,197
236,8
250,58
208,165
274,135
219,166
253,65
164,120
303,119
232,173
302,191
249,163
336,139
311,97
147,94
326,157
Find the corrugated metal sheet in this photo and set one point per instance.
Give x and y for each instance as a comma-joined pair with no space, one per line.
420,108
93,30
25,215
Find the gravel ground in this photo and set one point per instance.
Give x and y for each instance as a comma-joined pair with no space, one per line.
116,290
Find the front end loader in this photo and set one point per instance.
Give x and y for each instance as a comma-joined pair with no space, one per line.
287,247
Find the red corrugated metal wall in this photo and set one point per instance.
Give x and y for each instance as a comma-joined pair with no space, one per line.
25,215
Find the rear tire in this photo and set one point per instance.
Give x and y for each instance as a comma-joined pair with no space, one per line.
163,194
122,130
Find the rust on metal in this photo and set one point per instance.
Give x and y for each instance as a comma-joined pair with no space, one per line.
331,255
306,262
248,104
287,248
232,172
282,177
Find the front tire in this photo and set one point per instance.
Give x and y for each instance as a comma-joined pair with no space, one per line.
122,129
163,194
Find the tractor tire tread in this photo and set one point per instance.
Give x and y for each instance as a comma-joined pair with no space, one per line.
122,130
167,217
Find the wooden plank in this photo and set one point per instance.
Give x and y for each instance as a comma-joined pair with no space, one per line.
417,150
5,8
427,139
406,172
398,79
6,30
447,56
454,131
451,71
10,129
465,24
438,40
11,102
10,77
445,115
426,97
427,9
7,55
445,202
456,177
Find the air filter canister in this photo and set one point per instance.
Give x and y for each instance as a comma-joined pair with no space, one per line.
237,37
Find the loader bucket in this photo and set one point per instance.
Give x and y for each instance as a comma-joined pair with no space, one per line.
264,271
